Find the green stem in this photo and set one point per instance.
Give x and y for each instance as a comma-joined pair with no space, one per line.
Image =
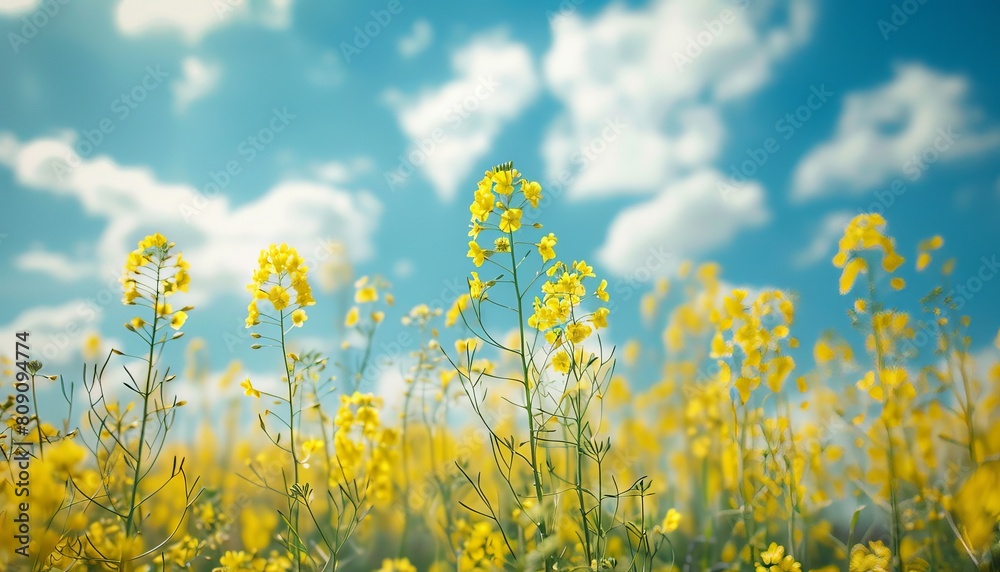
294,512
147,390
532,442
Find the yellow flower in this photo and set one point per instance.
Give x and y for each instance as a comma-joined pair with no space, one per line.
249,389
178,320
561,362
505,181
774,560
278,297
897,283
501,244
252,314
352,317
510,220
299,317
780,367
397,565
876,557
477,254
545,247
466,345
461,303
602,293
671,521
163,309
532,192
366,294
850,274
475,286
600,318
577,332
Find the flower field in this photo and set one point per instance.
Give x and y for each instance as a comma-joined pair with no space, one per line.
525,440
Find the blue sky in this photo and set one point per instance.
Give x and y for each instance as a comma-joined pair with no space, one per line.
745,132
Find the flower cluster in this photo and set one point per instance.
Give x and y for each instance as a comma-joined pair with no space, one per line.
876,557
359,428
482,549
558,314
152,273
865,232
280,271
774,559
496,194
757,331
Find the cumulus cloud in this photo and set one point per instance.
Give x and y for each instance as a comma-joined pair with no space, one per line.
900,128
194,19
55,264
453,125
220,239
663,71
687,219
13,8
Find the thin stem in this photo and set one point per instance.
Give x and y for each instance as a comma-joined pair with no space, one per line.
532,441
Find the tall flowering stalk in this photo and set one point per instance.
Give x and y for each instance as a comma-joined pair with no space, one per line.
560,381
888,384
280,273
127,447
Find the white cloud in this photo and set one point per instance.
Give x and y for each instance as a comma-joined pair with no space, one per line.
883,132
222,241
14,8
56,332
456,122
198,79
628,65
343,172
687,219
828,232
59,266
418,40
193,19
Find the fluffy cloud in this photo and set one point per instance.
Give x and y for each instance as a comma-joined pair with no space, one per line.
452,126
221,240
193,19
12,8
198,79
826,235
918,118
687,219
662,71
418,40
57,265
56,333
